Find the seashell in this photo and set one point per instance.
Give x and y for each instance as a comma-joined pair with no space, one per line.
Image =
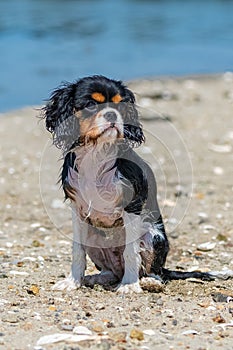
207,246
190,331
220,148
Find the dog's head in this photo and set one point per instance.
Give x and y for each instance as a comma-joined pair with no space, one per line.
92,109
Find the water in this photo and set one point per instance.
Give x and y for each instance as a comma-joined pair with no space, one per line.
44,42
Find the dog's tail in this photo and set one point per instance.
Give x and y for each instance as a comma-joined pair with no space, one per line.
169,275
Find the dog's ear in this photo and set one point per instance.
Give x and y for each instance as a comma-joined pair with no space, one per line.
59,116
132,128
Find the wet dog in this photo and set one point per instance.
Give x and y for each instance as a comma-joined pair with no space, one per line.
116,217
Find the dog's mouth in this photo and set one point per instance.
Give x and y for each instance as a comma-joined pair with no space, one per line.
112,130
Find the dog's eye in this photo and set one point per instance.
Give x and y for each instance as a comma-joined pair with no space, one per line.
91,106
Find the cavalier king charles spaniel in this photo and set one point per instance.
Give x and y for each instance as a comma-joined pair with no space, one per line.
115,213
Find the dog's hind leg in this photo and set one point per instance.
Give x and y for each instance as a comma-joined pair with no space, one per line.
160,246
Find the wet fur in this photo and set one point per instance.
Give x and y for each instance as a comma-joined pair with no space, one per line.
143,256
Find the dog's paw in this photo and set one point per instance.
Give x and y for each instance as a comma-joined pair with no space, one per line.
67,284
151,284
129,288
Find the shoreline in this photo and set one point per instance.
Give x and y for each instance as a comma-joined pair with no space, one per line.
140,80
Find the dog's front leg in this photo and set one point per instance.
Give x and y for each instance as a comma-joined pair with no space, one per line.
74,280
132,258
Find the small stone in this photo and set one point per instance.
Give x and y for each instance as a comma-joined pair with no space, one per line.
159,302
119,337
207,246
10,318
67,327
52,308
218,170
37,244
88,314
221,237
27,326
110,324
82,330
100,307
97,328
35,225
163,330
19,273
34,289
219,319
226,148
203,217
169,336
190,332
222,296
136,334
149,332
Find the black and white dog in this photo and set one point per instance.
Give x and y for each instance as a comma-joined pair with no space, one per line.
116,217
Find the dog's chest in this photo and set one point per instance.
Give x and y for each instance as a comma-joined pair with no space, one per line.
98,188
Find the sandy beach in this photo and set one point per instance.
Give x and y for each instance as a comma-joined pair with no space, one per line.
188,125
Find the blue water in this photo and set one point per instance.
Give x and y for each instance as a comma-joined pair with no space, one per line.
44,42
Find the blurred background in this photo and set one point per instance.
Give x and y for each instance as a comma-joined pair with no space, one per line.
44,42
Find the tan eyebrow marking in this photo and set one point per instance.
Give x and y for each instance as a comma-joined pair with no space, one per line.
117,98
98,97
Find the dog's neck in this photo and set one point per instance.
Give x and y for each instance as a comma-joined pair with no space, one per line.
101,155
99,190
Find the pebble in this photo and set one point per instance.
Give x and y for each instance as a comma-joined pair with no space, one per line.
149,332
36,243
59,337
35,225
207,246
100,307
119,337
169,336
209,227
82,330
18,273
203,218
189,332
163,330
218,170
220,148
136,334
67,327
3,302
222,296
10,318
219,319
36,316
34,289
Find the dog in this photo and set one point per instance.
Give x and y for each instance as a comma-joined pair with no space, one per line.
115,213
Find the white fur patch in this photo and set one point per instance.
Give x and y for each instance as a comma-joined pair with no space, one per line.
132,258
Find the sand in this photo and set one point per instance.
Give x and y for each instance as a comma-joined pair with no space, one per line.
189,129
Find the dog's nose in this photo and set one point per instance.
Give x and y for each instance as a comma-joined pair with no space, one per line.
110,117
